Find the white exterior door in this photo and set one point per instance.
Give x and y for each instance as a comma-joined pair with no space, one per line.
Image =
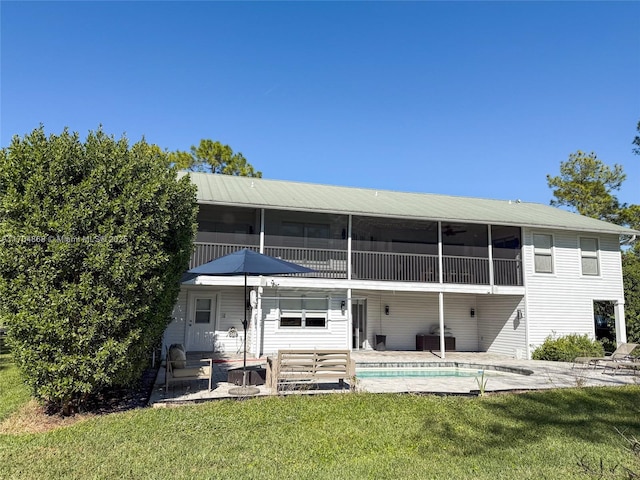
201,322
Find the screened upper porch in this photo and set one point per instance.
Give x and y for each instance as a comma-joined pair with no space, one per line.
378,249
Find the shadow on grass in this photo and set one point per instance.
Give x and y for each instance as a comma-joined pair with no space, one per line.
515,421
109,400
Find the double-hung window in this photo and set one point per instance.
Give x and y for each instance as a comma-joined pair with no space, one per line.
543,253
303,312
589,256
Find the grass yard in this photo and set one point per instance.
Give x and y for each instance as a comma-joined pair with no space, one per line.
13,394
528,436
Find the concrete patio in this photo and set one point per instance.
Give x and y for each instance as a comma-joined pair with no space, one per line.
544,375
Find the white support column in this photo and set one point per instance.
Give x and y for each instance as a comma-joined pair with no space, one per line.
349,258
349,317
259,324
440,263
441,321
262,230
490,247
254,332
440,294
621,327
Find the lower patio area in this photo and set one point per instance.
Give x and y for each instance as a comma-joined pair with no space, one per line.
498,376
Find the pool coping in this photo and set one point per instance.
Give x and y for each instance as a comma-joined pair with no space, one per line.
496,368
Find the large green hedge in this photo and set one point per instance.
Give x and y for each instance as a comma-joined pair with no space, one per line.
94,236
567,348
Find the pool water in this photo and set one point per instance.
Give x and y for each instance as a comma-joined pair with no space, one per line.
420,372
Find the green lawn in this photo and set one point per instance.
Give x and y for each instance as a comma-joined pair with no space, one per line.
528,436
13,393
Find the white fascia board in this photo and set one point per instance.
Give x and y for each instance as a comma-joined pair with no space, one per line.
231,280
508,290
329,283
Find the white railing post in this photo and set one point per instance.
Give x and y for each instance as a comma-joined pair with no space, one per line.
440,263
490,248
349,249
262,230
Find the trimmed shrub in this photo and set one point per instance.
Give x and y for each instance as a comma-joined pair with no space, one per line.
94,238
567,348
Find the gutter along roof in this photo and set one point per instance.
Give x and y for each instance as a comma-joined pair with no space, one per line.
284,195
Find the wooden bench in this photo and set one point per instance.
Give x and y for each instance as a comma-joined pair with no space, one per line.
309,366
181,371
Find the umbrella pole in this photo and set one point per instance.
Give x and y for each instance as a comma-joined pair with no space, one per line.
244,362
244,390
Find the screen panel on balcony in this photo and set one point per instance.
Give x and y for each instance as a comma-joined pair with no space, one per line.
374,234
224,219
465,240
506,241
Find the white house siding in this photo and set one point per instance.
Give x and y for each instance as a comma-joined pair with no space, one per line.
499,328
334,336
229,314
414,313
561,303
174,333
409,314
457,318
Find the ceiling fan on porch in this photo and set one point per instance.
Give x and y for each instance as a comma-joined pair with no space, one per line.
449,230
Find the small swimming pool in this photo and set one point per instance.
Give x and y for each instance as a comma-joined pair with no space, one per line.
422,372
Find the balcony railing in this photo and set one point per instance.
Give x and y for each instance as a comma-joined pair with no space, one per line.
398,267
378,266
467,270
205,252
507,272
326,263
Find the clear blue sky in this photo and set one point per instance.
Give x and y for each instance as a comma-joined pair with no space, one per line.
478,99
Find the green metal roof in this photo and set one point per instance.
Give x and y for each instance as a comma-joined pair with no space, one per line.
284,195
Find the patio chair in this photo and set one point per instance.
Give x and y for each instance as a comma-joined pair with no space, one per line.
623,364
623,352
178,370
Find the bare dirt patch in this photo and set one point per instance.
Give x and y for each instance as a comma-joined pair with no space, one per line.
33,418
36,418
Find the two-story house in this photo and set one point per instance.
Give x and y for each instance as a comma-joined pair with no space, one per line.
394,270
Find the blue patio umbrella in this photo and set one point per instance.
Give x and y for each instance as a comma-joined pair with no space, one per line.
247,262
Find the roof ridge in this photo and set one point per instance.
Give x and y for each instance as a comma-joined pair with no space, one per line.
351,187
